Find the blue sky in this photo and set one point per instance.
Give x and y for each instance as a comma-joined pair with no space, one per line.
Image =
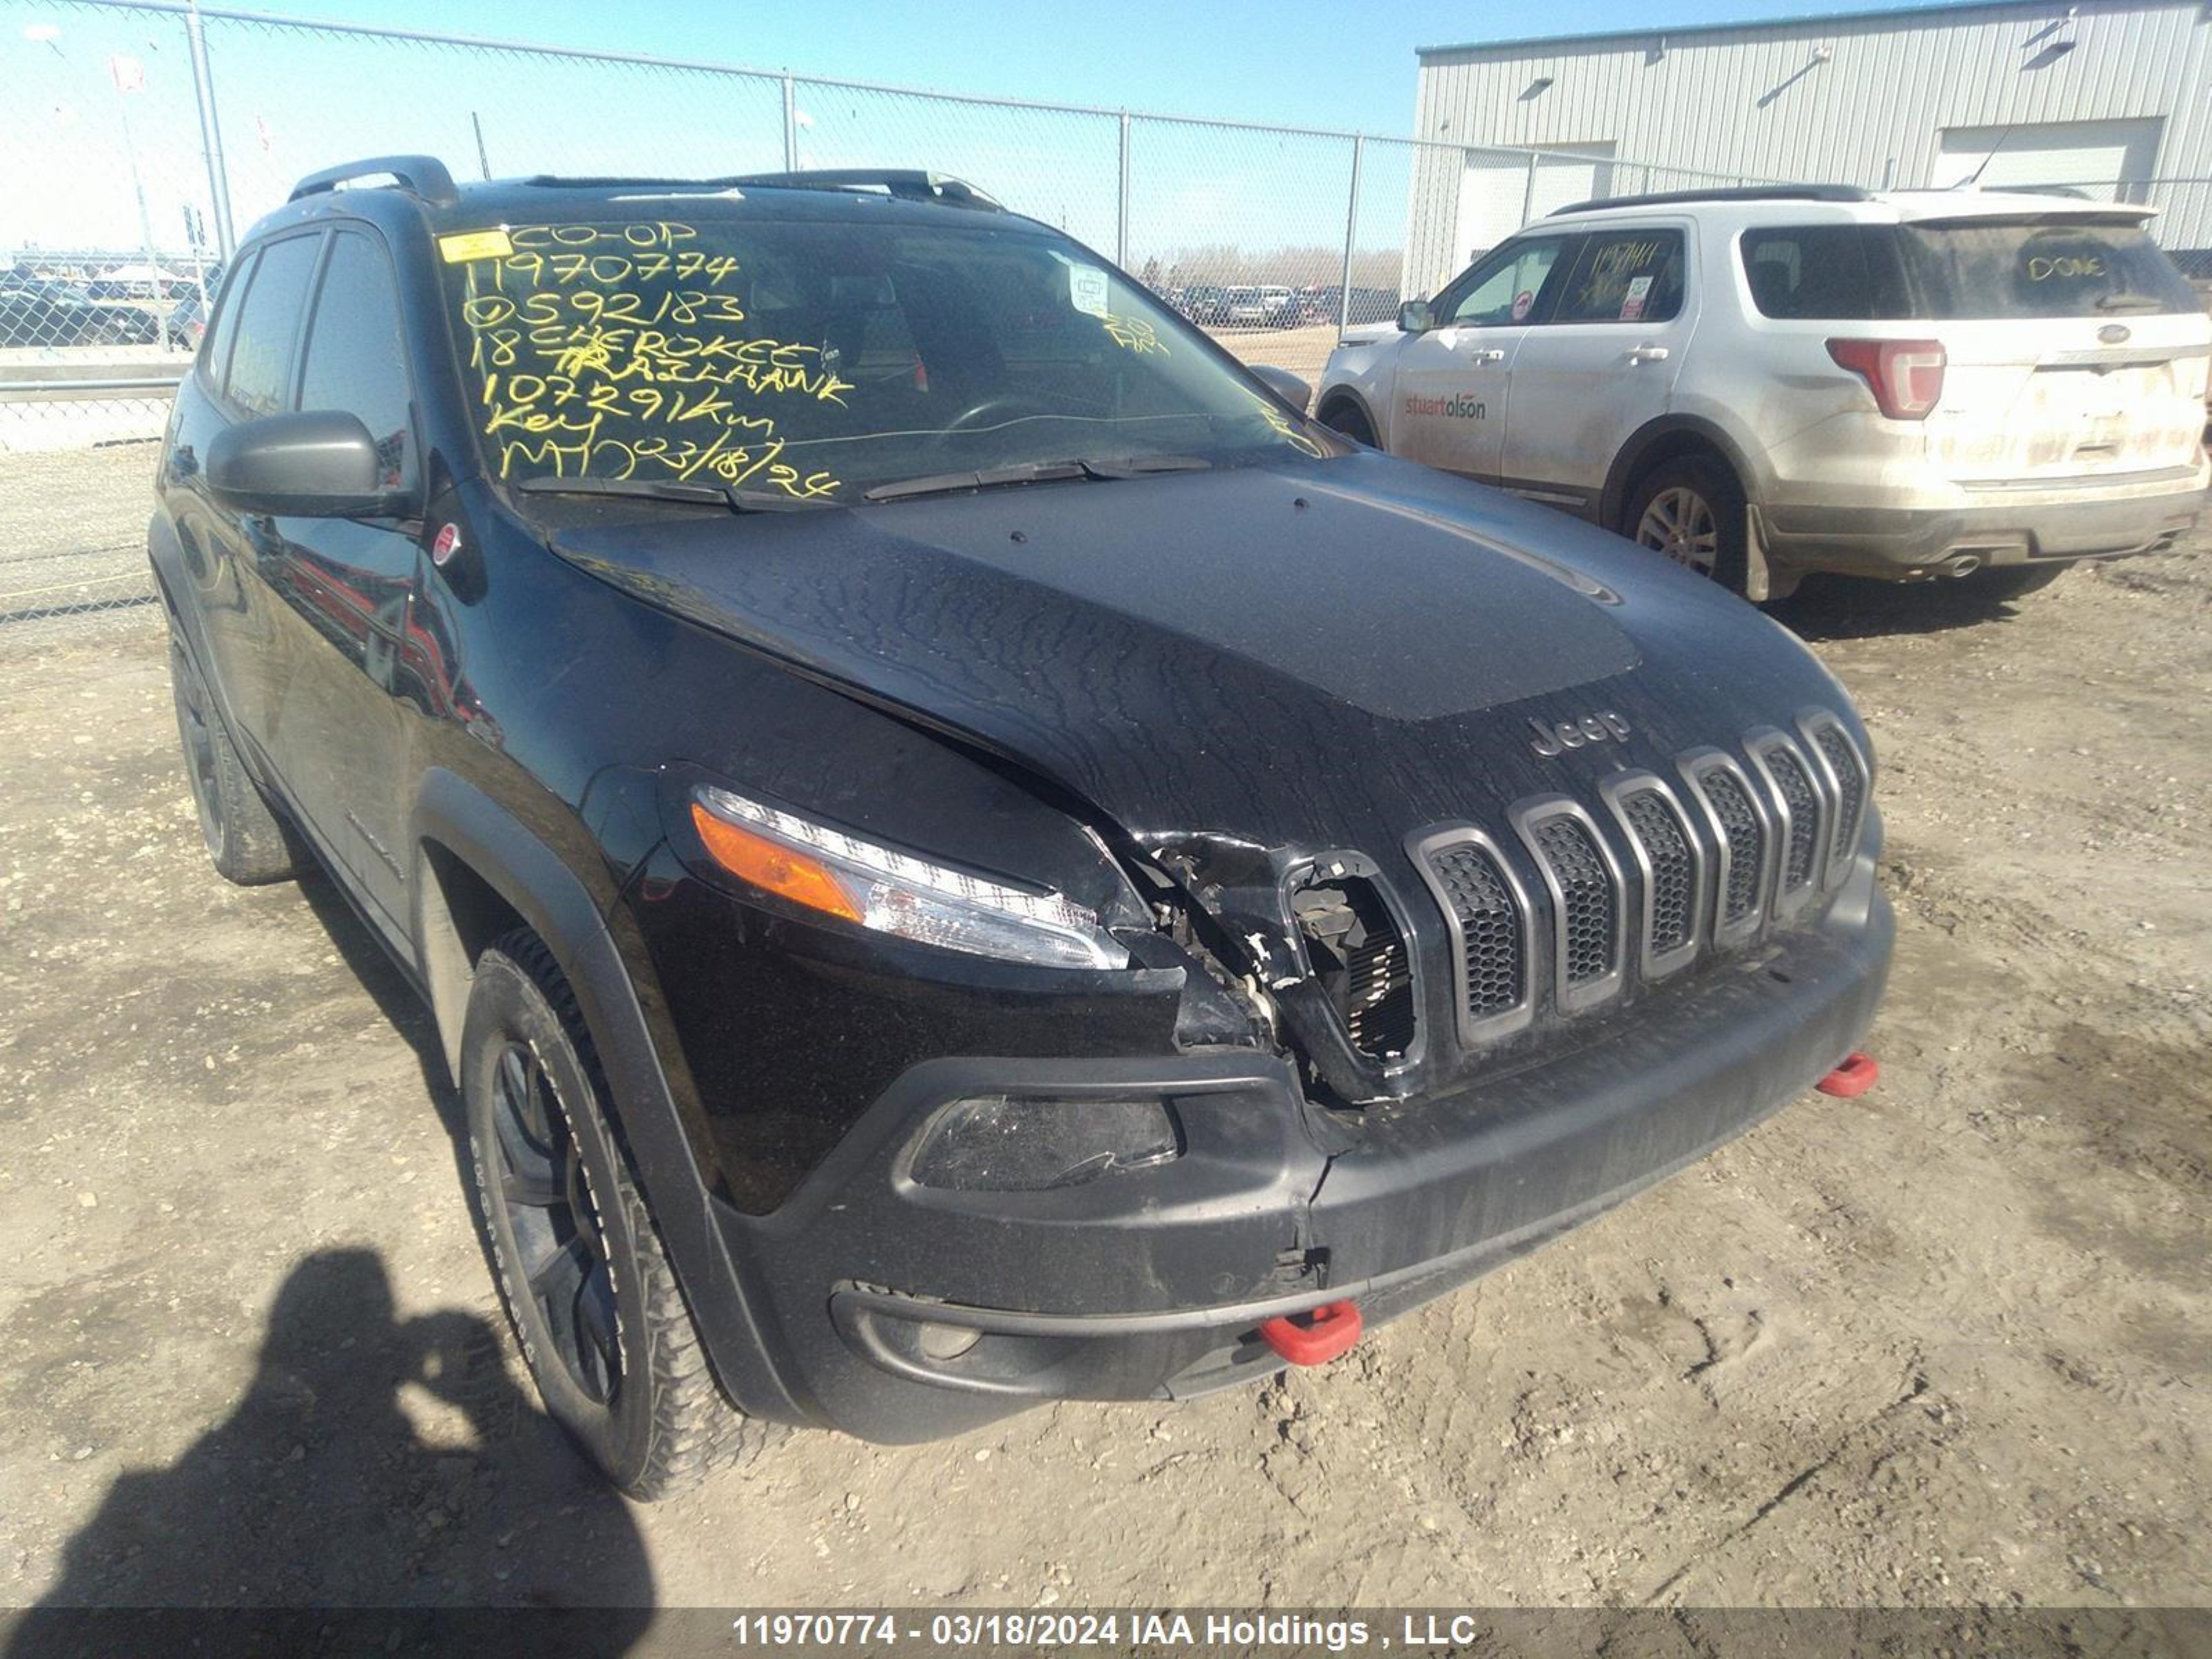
1348,64
291,100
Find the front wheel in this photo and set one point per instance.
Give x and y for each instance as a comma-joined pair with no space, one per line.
589,1290
1351,421
1692,509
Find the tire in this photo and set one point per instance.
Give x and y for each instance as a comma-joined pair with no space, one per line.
1691,510
1351,420
587,1287
2011,581
249,844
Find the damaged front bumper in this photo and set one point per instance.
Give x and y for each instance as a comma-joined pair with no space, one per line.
901,1310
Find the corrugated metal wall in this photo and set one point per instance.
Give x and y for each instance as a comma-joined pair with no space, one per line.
1758,100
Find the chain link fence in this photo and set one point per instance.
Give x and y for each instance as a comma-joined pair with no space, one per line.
148,135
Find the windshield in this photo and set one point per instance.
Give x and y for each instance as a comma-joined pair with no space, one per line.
820,359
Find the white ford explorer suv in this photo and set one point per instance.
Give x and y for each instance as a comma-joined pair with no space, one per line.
1764,382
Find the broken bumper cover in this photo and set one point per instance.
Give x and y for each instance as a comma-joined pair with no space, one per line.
899,1312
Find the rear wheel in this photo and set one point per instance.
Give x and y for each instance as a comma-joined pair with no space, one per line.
248,842
1352,422
592,1299
1691,509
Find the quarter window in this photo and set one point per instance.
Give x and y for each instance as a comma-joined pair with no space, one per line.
261,362
1835,273
1625,276
354,360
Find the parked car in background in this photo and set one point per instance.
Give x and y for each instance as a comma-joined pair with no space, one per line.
39,312
1762,383
139,282
1279,308
984,857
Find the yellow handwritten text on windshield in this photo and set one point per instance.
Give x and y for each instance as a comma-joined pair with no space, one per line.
622,351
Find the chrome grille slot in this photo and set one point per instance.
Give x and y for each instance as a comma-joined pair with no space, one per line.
1487,915
1736,827
1802,815
1843,776
1587,893
1670,867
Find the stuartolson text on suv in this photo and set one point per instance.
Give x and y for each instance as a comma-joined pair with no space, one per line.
962,851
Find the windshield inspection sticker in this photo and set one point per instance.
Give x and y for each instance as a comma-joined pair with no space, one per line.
1632,303
1086,289
467,245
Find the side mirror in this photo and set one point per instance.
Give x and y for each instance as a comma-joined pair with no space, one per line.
1415,317
320,464
1284,384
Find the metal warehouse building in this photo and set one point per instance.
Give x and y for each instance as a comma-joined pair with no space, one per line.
2112,98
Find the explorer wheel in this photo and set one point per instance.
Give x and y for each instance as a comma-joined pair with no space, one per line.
1350,421
587,1287
248,842
1691,509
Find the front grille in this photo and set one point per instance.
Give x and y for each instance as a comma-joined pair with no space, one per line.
1586,901
1379,997
1745,838
1492,932
1670,871
1843,761
1803,850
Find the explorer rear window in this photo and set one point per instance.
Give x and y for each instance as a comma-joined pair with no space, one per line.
1958,271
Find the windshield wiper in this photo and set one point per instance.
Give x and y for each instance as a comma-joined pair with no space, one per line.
1023,472
2131,302
728,496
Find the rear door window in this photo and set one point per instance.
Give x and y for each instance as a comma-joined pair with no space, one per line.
1624,276
355,359
268,325
2040,267
1832,273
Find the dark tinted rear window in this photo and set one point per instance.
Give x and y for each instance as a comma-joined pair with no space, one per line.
1959,272
1841,273
2026,269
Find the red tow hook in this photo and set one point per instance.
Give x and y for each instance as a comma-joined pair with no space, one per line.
1332,1331
1858,1074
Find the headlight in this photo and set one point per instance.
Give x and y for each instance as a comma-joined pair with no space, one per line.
893,892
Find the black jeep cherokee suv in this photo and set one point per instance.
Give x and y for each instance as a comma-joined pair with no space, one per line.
962,851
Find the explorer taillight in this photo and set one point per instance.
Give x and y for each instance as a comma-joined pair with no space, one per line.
1906,376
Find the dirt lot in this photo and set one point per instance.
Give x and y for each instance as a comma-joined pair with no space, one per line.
1947,1344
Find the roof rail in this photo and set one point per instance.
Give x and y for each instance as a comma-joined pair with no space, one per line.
424,176
1723,194
907,184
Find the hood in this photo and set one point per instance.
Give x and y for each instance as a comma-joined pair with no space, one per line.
1321,655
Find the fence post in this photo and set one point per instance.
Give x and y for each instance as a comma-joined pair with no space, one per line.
218,174
790,127
1529,190
1122,209
1350,229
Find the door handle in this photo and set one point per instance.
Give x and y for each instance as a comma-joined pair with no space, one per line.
1648,354
1488,355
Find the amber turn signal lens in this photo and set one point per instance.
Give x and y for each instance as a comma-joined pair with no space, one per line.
772,866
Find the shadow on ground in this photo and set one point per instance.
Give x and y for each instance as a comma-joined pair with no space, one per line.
323,1489
1839,608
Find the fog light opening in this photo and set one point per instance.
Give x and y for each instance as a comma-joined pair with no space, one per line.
945,1343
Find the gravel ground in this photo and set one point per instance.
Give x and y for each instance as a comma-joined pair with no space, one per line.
1946,1345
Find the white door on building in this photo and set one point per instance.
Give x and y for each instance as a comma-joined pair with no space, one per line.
2096,157
1497,190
